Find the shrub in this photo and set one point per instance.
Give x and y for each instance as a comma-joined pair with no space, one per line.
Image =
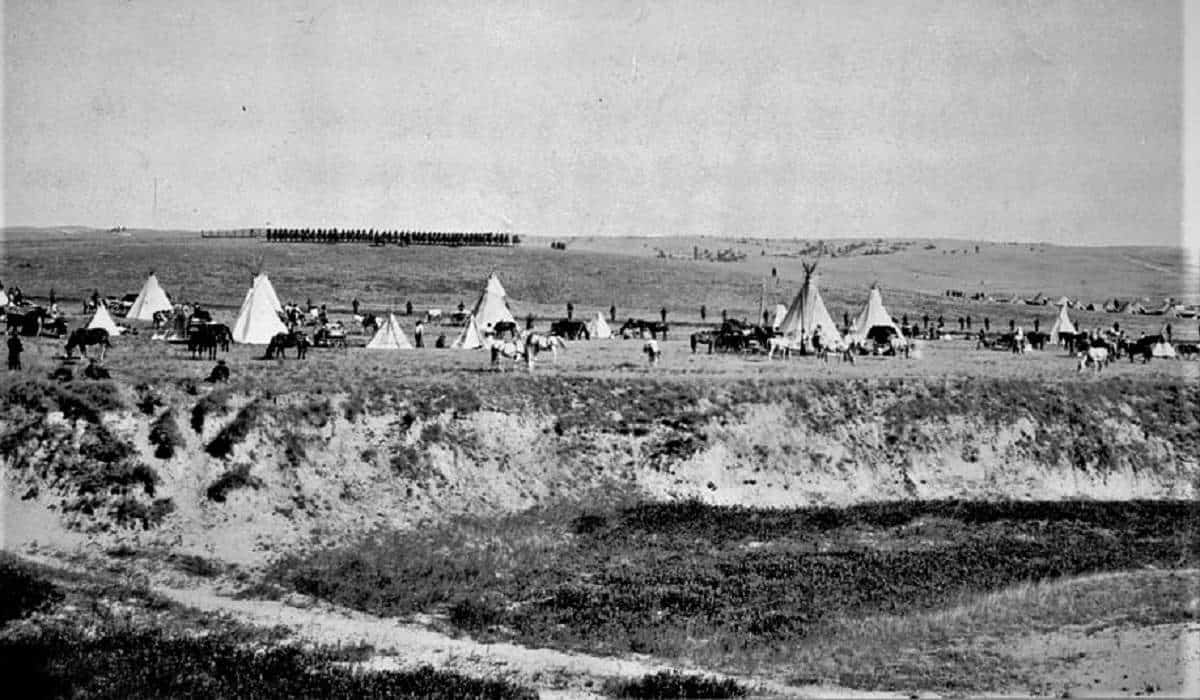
236,478
353,407
165,435
472,613
672,684
294,451
236,431
197,565
214,404
129,511
409,462
316,413
25,591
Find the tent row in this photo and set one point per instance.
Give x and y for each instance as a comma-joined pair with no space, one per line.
807,316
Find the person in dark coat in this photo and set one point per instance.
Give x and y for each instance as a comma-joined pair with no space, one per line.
612,313
408,308
419,334
354,305
14,350
663,313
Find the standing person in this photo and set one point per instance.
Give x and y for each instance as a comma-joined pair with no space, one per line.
53,299
1036,324
1168,331
925,321
529,321
354,305
845,319
1012,325
724,315
419,332
612,313
968,323
570,310
14,350
703,312
663,313
408,308
766,318
987,324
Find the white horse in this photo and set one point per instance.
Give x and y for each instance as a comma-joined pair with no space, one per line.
1097,357
538,342
508,349
653,352
780,343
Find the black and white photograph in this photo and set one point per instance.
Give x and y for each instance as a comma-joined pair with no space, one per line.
600,349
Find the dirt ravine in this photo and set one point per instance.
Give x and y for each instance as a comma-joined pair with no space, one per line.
402,645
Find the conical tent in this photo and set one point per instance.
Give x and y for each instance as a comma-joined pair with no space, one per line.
103,319
492,307
778,316
390,337
269,292
470,338
1061,325
258,321
3,298
872,316
150,301
808,313
598,328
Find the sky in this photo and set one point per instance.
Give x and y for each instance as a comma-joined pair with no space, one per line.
998,120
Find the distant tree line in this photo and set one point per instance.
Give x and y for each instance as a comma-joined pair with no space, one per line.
375,237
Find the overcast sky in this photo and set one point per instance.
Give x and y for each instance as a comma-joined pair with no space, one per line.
1056,121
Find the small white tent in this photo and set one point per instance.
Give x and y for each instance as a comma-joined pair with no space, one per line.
3,298
258,320
390,337
492,307
150,301
808,313
470,338
873,315
598,328
1061,325
103,319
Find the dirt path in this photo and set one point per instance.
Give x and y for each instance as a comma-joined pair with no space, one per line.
406,645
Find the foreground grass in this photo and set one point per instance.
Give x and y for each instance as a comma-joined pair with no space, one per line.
735,588
69,635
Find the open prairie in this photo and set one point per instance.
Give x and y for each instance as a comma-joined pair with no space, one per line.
716,525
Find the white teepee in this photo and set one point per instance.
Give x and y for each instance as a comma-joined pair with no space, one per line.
470,338
808,313
1061,325
258,321
598,328
150,301
103,319
390,337
3,298
492,307
873,315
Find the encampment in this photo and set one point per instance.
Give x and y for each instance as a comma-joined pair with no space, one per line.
598,328
390,337
873,321
807,314
492,307
150,301
470,337
103,319
258,320
1062,324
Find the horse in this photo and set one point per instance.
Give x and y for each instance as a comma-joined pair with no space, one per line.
1187,351
570,329
433,315
635,327
370,324
1095,356
509,349
83,337
506,328
653,352
704,337
282,341
537,342
28,322
780,343
1143,347
206,338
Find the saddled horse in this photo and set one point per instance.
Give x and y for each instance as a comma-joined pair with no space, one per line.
281,341
1095,356
82,338
537,342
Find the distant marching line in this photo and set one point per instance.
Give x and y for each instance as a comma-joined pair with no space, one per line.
372,236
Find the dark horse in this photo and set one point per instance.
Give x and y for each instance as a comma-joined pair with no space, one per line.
506,329
206,338
634,327
83,337
282,341
570,329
